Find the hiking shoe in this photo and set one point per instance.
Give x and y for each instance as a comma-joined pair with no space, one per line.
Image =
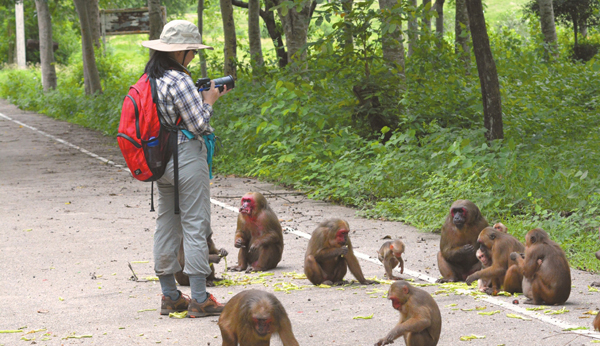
168,305
211,307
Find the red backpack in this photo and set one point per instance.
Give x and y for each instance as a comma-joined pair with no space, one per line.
146,138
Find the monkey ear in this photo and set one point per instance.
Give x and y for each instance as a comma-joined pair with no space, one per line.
391,246
405,289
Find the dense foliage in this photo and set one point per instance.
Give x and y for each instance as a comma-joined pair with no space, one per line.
303,127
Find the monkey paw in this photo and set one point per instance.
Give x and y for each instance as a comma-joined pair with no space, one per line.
236,269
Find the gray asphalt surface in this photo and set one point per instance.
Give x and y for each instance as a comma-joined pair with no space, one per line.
70,223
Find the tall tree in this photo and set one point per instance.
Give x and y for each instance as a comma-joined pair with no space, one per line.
462,31
155,19
272,28
439,21
46,49
348,37
575,13
413,27
91,78
200,29
94,18
254,32
230,45
488,76
295,26
392,45
548,26
426,16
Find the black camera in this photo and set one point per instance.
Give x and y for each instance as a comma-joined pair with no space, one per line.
204,83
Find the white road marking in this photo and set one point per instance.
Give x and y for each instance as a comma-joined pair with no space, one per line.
63,142
489,299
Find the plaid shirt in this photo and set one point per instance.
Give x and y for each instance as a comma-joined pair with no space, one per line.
179,97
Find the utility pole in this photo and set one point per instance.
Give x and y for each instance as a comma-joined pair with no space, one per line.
20,20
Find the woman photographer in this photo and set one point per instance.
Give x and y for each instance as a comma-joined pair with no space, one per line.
179,98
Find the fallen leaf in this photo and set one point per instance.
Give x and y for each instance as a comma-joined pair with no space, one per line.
471,337
363,317
182,314
518,317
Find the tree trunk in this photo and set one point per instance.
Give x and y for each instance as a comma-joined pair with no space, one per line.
200,29
439,21
275,34
413,29
230,45
295,27
462,32
91,77
574,20
256,54
348,38
548,26
427,15
392,46
94,18
46,49
488,76
155,19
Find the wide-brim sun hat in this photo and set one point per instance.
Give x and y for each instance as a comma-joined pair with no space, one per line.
177,35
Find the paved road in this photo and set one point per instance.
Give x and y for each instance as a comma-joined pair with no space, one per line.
72,219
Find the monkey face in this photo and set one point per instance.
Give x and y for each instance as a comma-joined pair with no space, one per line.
341,236
396,303
483,256
248,205
262,326
459,216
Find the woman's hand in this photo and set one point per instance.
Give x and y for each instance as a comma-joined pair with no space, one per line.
211,95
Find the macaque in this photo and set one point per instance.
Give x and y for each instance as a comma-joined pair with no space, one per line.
329,255
258,236
486,259
596,322
420,318
546,267
458,243
214,256
251,317
500,271
390,254
500,227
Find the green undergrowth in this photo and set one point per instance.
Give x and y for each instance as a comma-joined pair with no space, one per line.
304,130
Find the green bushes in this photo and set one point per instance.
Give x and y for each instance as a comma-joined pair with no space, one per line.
301,129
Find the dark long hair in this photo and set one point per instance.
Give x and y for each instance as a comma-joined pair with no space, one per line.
160,62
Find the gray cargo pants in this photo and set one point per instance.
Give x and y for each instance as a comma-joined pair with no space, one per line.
193,223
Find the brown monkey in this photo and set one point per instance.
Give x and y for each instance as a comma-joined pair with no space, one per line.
390,254
251,317
329,255
596,322
501,271
500,227
420,318
214,256
458,243
486,259
550,278
258,236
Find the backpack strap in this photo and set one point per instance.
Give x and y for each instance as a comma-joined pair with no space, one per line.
173,143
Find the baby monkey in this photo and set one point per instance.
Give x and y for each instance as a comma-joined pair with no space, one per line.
390,254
